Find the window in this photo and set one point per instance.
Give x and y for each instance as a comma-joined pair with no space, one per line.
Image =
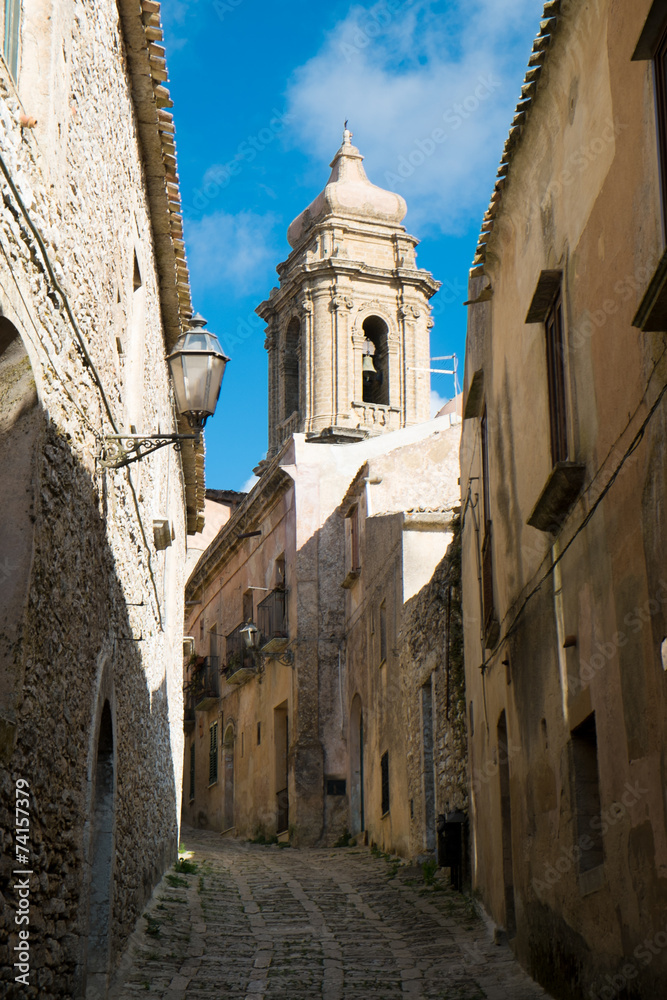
651,314
556,380
375,370
213,754
192,770
384,768
383,632
247,606
586,794
10,48
353,518
488,607
280,571
336,786
291,369
213,642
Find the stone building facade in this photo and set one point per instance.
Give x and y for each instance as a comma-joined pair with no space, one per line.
358,493
93,293
563,485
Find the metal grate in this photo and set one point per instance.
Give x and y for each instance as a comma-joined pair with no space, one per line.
213,755
192,770
272,616
237,654
384,768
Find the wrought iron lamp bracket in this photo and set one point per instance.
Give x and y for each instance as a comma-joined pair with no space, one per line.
118,450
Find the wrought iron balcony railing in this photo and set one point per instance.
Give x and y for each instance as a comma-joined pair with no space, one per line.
272,621
206,683
237,655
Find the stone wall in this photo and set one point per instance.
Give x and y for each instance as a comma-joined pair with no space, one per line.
430,648
90,613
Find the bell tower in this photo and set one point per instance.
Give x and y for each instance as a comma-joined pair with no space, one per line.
348,328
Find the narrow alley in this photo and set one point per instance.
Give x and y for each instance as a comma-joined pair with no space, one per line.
256,921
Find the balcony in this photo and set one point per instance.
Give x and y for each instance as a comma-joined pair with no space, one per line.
240,664
206,683
272,622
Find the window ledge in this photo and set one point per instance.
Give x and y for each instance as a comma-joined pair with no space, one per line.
651,316
558,496
351,578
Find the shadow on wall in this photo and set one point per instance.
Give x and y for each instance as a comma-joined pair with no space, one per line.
77,720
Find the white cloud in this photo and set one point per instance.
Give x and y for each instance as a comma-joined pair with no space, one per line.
429,92
437,402
249,483
236,251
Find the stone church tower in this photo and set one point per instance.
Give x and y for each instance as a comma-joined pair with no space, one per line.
348,329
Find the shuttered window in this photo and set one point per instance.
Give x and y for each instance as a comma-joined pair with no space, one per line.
213,754
384,768
192,770
12,31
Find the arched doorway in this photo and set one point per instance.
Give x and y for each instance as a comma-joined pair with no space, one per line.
357,817
21,428
228,773
101,858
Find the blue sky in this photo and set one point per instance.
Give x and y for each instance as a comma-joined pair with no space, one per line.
261,91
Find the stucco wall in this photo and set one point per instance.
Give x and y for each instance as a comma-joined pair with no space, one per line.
589,208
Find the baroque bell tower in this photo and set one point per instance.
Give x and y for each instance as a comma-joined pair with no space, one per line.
348,328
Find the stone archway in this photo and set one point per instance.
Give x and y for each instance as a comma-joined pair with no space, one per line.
21,426
101,861
357,813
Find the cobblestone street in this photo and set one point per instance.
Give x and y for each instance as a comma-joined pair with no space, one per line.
261,921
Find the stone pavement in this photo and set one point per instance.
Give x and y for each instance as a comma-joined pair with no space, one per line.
256,922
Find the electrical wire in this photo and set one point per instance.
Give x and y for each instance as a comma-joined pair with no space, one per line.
89,362
634,444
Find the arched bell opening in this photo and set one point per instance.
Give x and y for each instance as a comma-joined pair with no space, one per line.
375,364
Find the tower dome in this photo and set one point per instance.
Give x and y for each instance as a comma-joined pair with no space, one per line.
348,328
349,194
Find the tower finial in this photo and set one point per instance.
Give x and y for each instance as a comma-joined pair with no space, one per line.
347,135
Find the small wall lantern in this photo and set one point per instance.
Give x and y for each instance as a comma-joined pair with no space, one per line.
197,365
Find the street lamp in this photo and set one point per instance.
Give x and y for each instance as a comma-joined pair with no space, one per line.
196,364
251,637
250,634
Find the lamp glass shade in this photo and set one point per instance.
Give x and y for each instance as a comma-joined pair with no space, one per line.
197,364
250,634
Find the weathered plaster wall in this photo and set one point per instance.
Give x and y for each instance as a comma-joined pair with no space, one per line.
96,613
591,209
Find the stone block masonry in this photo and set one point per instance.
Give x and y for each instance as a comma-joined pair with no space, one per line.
90,613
